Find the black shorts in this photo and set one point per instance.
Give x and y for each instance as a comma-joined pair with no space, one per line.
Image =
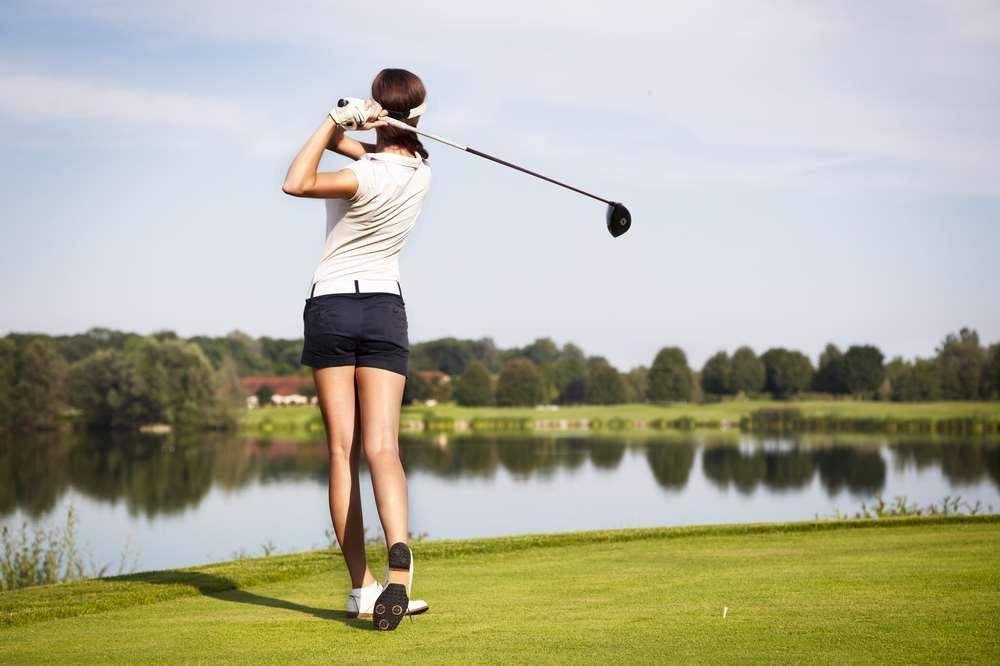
364,330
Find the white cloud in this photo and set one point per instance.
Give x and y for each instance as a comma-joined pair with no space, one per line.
731,92
32,97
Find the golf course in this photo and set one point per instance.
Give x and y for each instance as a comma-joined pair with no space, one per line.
914,590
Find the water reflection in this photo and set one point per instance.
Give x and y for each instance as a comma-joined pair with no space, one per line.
155,476
235,493
960,462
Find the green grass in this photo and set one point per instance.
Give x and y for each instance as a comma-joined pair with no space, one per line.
913,590
300,418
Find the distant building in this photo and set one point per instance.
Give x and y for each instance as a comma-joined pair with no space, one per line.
288,390
434,376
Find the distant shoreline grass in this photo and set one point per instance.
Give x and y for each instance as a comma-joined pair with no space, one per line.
846,415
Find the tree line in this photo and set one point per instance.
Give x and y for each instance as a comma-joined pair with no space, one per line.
124,382
115,379
542,372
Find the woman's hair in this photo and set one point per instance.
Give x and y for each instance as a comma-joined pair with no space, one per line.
399,90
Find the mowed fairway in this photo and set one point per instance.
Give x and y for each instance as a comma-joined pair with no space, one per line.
907,591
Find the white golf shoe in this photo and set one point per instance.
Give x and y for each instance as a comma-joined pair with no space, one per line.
361,601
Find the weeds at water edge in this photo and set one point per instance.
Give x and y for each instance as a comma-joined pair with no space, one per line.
42,555
949,506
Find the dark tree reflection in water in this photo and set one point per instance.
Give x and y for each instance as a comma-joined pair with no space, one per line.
192,499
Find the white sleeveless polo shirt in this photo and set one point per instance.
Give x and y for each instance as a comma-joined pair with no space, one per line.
365,233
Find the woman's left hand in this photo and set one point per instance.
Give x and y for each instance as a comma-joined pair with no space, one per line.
375,112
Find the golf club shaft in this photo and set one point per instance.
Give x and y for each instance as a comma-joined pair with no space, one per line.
403,126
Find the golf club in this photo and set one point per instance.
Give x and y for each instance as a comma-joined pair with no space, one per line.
618,219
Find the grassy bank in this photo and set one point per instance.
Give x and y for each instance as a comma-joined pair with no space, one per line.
806,415
904,590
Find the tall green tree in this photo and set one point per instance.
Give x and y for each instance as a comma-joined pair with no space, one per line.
747,374
914,382
520,383
187,376
787,372
229,396
961,362
246,351
636,384
452,355
541,351
152,380
77,347
605,385
475,387
100,387
716,374
831,373
669,377
39,385
568,374
863,369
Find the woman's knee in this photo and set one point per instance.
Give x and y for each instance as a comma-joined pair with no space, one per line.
341,446
382,445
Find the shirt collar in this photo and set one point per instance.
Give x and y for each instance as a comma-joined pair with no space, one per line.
397,158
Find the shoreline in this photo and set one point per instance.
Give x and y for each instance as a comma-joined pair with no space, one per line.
745,416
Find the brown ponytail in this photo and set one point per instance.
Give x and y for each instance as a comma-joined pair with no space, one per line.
399,90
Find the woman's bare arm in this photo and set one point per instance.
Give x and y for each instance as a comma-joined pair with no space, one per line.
302,180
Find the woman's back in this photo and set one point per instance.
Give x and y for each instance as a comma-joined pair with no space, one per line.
365,233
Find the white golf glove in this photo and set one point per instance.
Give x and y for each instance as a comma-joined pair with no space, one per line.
352,115
358,114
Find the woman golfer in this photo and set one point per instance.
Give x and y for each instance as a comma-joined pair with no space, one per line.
355,324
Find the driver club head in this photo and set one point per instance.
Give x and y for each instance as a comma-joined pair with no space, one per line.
619,219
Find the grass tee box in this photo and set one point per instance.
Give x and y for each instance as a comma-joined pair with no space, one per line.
908,590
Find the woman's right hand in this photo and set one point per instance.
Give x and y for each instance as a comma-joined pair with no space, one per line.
375,112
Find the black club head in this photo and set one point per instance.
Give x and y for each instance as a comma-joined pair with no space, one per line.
619,219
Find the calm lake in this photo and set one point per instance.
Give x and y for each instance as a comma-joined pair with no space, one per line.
189,502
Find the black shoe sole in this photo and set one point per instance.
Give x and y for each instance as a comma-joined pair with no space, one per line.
392,605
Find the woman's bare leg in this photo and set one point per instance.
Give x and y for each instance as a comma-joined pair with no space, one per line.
381,395
338,401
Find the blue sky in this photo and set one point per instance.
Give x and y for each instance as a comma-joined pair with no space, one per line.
798,173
